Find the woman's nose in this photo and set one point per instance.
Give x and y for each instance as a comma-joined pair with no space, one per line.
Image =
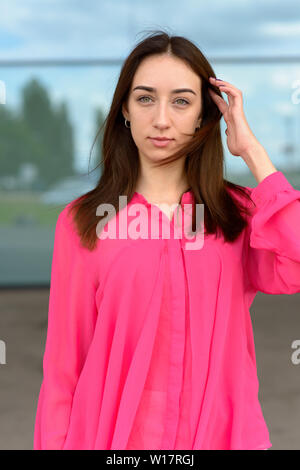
162,117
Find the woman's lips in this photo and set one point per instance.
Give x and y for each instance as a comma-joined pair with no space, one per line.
160,143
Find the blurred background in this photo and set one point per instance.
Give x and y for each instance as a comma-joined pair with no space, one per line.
59,65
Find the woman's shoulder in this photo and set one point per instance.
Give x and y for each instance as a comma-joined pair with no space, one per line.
66,223
68,240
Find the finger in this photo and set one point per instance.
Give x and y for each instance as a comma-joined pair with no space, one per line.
230,90
232,95
221,103
223,82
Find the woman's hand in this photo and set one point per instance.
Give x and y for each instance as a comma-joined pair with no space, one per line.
240,138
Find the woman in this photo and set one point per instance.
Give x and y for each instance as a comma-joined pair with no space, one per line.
150,342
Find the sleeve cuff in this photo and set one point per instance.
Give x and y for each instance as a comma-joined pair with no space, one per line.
270,185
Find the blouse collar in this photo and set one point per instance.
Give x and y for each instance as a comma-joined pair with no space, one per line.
186,198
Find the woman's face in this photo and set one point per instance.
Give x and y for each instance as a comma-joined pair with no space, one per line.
161,112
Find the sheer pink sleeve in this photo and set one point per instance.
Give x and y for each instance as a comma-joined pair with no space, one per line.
272,261
71,321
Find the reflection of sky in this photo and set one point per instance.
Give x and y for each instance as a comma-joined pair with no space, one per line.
110,29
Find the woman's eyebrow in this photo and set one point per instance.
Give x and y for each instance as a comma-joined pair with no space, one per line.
178,90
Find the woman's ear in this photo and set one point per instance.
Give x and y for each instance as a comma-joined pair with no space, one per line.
125,111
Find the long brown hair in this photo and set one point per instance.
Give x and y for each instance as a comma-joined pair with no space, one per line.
203,153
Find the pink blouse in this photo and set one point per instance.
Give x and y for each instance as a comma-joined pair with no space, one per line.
156,399
150,343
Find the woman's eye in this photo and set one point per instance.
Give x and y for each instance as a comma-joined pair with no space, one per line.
148,97
181,99
143,97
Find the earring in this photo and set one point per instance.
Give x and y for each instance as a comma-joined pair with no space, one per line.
128,122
